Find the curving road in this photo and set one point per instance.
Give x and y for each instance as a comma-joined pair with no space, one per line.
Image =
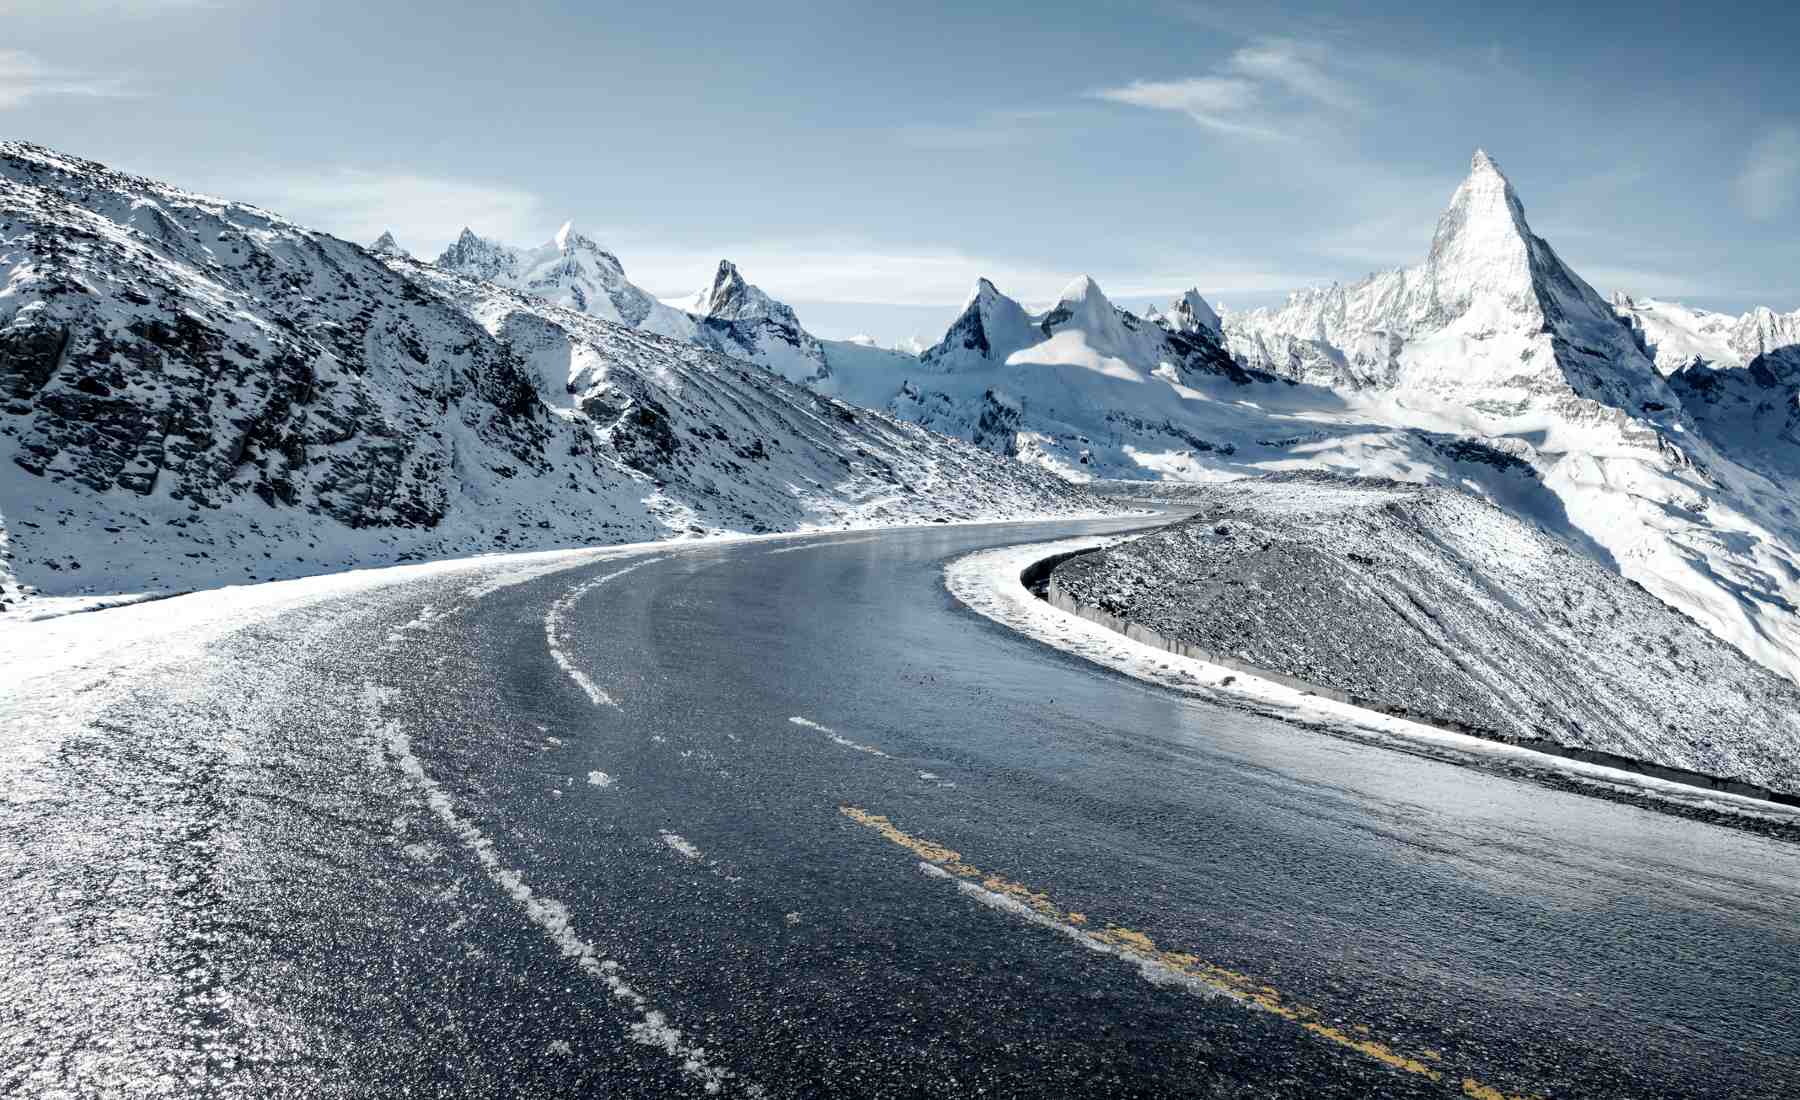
781,818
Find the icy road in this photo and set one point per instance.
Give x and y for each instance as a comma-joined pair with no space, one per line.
782,818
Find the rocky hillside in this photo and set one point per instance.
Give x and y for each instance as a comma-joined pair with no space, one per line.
194,391
1430,600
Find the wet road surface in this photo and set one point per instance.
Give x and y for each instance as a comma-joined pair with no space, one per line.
782,818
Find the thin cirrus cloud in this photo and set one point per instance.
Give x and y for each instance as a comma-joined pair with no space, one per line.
1271,90
25,77
1228,104
1771,174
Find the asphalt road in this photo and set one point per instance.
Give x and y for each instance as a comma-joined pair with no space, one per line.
781,818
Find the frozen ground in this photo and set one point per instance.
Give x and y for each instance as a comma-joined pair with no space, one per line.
989,583
1452,610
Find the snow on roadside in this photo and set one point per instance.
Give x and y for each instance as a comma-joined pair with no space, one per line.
63,671
988,582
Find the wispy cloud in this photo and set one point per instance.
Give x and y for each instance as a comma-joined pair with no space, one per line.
1298,67
1766,186
1227,104
424,212
25,76
1274,89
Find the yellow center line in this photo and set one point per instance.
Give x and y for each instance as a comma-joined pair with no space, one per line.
1124,941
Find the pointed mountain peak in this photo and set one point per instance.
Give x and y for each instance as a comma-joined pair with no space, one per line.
1482,244
985,292
386,245
1191,313
564,234
475,255
732,298
990,327
1082,289
727,275
1481,162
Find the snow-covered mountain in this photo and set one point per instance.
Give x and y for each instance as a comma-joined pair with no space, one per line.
1492,320
569,270
1678,336
1737,376
1189,314
1084,388
386,245
1491,366
741,321
1494,340
194,392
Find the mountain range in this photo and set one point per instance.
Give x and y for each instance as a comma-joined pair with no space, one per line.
184,370
196,392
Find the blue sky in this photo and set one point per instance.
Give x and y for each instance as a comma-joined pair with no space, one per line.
867,161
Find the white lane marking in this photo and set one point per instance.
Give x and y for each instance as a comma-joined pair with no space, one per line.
553,917
680,845
600,779
817,545
553,622
836,738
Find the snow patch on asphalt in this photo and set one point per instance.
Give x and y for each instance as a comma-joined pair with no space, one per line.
61,672
837,738
988,582
553,622
599,779
679,844
652,1027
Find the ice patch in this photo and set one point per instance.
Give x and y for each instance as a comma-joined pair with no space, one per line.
600,779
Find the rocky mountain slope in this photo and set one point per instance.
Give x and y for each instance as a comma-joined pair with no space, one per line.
1436,602
194,391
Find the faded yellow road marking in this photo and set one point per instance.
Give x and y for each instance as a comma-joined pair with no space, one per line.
1124,941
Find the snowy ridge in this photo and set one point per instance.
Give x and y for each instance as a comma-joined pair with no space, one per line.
196,392
569,270
1680,336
